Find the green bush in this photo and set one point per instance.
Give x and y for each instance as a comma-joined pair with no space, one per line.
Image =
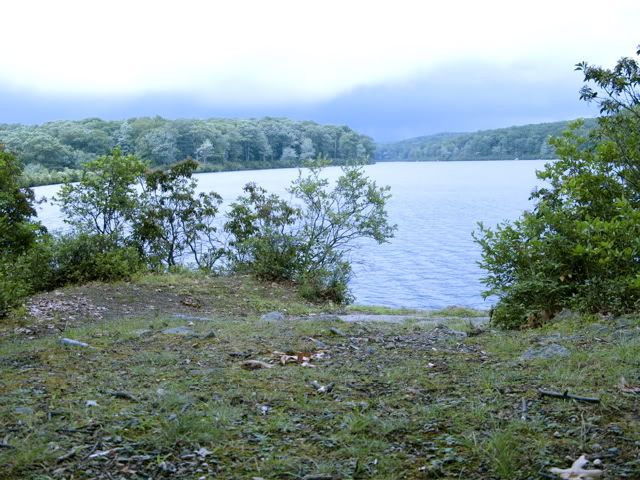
83,258
262,240
308,241
324,285
579,247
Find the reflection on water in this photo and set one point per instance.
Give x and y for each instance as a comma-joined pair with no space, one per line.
431,262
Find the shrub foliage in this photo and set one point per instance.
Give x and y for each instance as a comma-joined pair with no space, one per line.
579,247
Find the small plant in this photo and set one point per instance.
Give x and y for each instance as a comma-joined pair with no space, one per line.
308,241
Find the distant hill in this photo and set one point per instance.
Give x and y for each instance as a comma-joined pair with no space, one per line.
522,142
219,144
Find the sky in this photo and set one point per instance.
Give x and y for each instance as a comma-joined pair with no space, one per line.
390,69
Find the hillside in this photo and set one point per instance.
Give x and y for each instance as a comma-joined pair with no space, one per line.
219,144
522,142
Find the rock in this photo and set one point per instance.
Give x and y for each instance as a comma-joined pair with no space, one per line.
143,332
337,331
73,343
552,350
90,403
178,331
449,332
23,410
272,317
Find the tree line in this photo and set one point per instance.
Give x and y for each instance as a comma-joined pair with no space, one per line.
527,142
217,144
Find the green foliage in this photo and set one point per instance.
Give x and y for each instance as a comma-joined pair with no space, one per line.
523,142
579,247
17,229
172,220
220,144
84,258
105,199
308,241
261,237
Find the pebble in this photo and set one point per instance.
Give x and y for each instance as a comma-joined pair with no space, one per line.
272,316
178,331
553,350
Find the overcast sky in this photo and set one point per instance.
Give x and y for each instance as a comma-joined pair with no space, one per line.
392,69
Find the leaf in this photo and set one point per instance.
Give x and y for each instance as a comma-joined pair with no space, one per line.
577,472
626,388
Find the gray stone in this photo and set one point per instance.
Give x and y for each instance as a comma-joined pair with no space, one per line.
73,343
272,316
179,331
24,410
552,350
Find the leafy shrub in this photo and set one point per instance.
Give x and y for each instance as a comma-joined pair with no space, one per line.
579,247
83,258
172,220
262,239
308,241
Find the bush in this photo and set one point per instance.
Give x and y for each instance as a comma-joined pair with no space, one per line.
308,241
579,248
83,258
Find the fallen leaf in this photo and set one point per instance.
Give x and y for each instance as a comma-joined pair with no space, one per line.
626,388
577,472
322,388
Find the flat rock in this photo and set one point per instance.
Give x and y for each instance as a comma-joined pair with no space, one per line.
272,317
546,352
23,410
178,331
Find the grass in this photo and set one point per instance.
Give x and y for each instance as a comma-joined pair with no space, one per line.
409,400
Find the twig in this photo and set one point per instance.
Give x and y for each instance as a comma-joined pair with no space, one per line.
567,396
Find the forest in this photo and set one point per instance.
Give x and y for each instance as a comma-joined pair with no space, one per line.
526,142
55,151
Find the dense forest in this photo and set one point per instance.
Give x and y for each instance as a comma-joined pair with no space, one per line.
218,144
522,142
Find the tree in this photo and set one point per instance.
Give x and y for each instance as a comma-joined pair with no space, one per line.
579,247
307,151
172,220
18,230
105,199
308,242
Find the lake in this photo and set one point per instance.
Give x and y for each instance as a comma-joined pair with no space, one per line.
431,262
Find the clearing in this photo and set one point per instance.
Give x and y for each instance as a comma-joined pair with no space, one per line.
183,379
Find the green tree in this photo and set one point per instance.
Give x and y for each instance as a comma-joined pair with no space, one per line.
309,240
579,247
105,199
172,220
18,230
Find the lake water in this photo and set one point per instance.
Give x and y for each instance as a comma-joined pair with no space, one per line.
431,262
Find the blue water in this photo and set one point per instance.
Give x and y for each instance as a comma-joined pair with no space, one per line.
431,262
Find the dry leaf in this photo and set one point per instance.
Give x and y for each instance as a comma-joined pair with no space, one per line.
626,388
255,365
322,388
577,472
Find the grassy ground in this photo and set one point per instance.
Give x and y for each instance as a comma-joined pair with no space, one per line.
408,400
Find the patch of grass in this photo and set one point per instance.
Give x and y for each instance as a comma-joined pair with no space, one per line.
377,310
455,311
405,403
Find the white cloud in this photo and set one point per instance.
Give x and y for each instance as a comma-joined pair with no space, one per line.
241,51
